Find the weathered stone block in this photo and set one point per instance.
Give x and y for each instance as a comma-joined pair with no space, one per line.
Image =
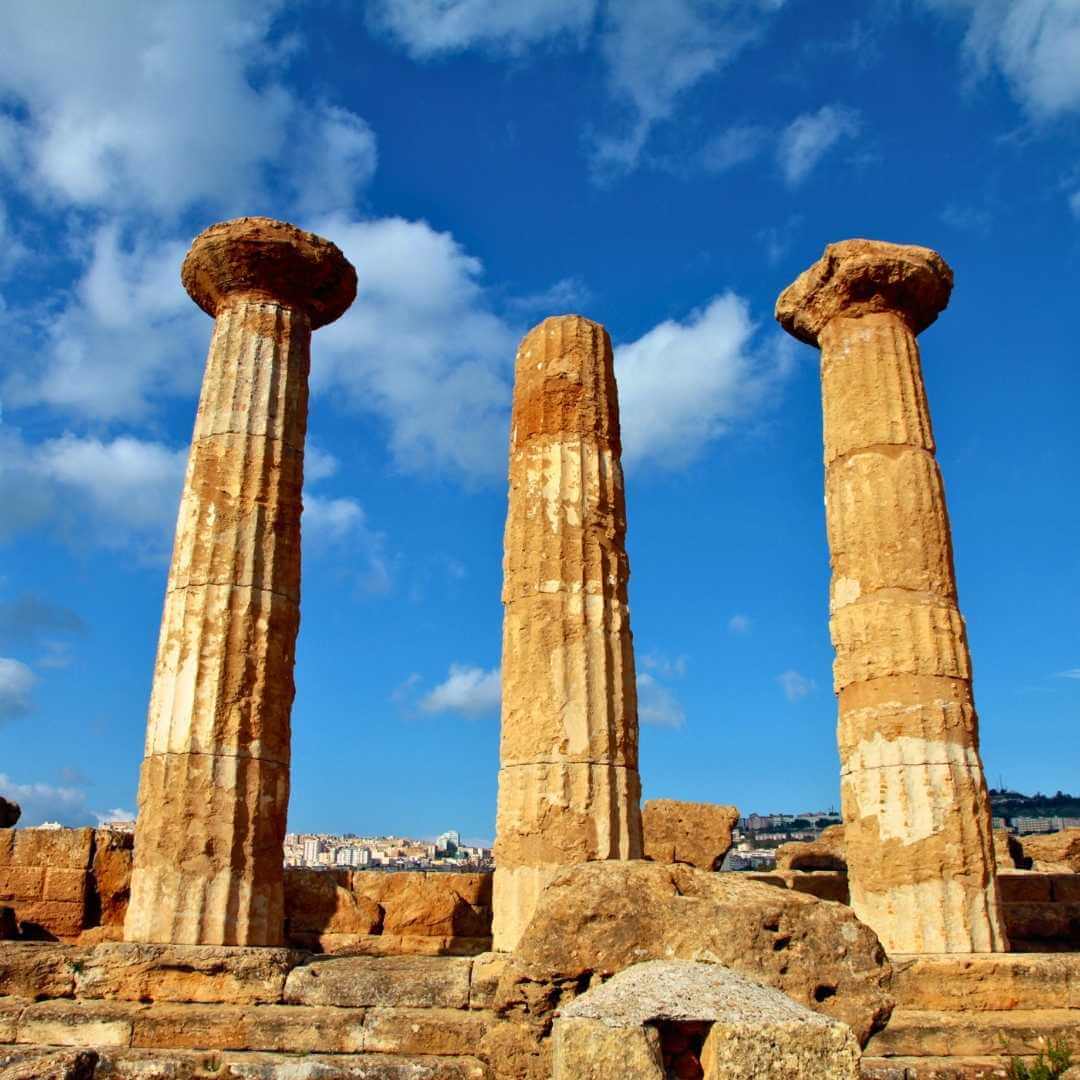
423,1031
112,875
11,1008
39,970
487,969
67,886
585,1049
695,833
64,848
78,1023
1025,887
320,901
22,883
51,919
185,973
827,852
7,846
393,981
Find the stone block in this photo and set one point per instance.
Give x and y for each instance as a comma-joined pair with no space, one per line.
39,970
1056,852
423,1031
393,981
11,1008
22,883
185,973
51,919
48,1063
66,886
277,1028
1055,925
7,847
79,1023
687,832
1023,887
433,908
586,1049
487,969
112,875
69,849
1066,888
320,901
389,944
825,853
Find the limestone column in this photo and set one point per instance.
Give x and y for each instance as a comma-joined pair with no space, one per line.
916,810
569,790
214,787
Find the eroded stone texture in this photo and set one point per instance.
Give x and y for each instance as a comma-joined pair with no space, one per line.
569,789
686,832
916,810
215,780
1054,852
827,852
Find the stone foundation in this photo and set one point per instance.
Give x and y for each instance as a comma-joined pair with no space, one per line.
72,885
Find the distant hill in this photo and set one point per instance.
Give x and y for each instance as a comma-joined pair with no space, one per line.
1010,804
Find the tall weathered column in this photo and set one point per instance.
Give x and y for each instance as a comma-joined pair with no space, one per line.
569,790
916,810
214,788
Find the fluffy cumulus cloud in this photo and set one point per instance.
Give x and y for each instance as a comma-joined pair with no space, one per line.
808,138
424,351
96,82
471,691
429,27
657,705
16,682
684,383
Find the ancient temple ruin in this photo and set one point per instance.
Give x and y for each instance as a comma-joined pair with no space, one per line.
915,805
214,789
569,790
219,963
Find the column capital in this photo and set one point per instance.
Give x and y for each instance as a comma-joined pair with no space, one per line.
862,277
258,258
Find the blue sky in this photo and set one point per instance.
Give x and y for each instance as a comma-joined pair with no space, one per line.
665,168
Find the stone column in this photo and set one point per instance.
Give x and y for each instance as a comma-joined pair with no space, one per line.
214,788
916,810
569,790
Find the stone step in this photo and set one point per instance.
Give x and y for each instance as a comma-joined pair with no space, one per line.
987,981
936,1068
928,1033
294,1029
109,1063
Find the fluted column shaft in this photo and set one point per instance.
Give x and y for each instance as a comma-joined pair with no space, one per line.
214,787
569,790
915,804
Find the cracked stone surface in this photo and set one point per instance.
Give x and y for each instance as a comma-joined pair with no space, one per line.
214,788
916,811
569,789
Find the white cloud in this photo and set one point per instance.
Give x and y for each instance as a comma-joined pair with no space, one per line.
657,52
339,156
684,383
468,690
429,27
1034,43
733,146
739,624
127,104
657,704
109,817
808,138
329,522
126,335
116,493
795,685
565,296
1072,673
423,350
16,682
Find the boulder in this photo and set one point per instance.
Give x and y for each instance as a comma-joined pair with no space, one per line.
1054,853
596,919
319,901
677,1018
824,853
10,812
698,834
